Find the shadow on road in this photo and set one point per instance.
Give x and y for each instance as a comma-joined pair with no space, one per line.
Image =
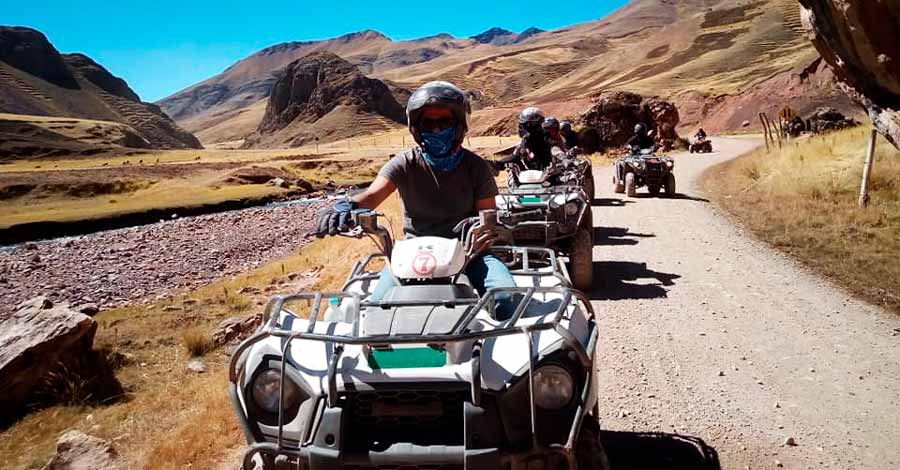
610,202
676,196
614,280
617,236
658,451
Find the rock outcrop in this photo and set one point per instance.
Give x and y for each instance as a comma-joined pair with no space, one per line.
859,39
36,338
76,450
235,329
35,79
828,120
610,120
314,86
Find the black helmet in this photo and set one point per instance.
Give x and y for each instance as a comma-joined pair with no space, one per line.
640,128
565,126
550,123
530,121
530,115
443,94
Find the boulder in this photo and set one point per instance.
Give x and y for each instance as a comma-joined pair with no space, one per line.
858,39
76,450
235,329
33,341
43,347
610,120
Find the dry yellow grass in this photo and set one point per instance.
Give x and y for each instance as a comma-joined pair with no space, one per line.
171,418
802,199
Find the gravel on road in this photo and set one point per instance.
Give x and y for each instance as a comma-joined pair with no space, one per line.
722,343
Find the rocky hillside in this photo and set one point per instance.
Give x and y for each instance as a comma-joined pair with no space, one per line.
722,60
324,97
36,80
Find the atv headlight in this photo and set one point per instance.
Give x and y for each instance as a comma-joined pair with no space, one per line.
572,208
670,164
267,387
553,387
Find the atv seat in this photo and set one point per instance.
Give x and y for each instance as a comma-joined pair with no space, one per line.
436,293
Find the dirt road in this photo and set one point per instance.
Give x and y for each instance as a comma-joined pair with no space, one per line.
730,348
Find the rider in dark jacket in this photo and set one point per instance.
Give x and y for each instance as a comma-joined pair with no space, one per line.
568,134
640,140
533,151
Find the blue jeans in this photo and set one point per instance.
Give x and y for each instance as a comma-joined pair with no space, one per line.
485,272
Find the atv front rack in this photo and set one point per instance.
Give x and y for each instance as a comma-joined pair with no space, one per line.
460,332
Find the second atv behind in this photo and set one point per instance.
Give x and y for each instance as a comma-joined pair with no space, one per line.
554,212
644,168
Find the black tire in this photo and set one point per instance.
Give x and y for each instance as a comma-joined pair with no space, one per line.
630,185
589,188
587,220
654,190
581,259
589,451
670,185
618,186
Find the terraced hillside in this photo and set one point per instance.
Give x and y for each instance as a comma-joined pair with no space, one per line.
36,80
704,54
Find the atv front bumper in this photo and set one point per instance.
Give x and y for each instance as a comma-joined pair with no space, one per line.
324,452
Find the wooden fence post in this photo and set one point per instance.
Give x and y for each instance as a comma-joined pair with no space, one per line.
867,171
762,121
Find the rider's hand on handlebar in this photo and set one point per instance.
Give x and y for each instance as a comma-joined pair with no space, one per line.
336,219
482,238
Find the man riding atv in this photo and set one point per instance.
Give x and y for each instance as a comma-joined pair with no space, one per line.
640,140
570,137
642,167
552,134
701,134
440,184
535,151
700,144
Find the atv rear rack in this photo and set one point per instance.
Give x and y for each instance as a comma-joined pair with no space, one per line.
460,332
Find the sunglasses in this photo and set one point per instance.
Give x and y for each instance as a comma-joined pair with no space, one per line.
436,125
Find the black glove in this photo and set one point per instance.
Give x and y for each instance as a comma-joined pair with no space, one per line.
336,219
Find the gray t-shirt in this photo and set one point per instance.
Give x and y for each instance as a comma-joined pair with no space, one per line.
434,201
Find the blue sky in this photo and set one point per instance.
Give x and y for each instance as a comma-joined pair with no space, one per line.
163,46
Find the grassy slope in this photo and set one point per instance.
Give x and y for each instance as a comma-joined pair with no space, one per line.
183,178
802,199
172,418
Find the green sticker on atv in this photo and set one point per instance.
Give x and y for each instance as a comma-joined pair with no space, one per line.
406,358
529,199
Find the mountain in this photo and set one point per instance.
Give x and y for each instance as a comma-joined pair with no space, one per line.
36,80
314,93
495,36
721,61
528,33
211,107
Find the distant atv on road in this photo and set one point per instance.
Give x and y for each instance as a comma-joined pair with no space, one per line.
701,146
645,168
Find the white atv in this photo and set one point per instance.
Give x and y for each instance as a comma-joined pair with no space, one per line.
428,377
561,218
